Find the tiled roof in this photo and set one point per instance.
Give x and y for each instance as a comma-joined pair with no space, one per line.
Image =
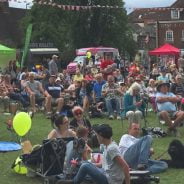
140,15
154,14
178,4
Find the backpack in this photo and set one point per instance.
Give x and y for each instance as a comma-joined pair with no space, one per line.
154,131
19,167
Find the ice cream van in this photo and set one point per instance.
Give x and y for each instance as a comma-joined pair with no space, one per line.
95,52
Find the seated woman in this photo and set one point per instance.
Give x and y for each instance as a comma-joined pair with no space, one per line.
133,105
85,94
79,119
151,91
61,127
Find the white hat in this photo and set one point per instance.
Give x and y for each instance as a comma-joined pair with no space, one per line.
54,56
58,79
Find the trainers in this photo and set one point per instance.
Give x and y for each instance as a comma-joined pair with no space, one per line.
48,115
162,122
118,117
31,114
111,117
141,167
42,108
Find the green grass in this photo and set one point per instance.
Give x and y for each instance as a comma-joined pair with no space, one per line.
40,129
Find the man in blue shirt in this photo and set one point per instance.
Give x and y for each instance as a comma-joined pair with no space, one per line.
166,104
54,91
97,89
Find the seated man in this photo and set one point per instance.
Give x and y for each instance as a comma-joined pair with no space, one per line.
11,91
136,151
111,92
178,89
133,105
4,99
115,170
53,91
97,88
166,104
36,92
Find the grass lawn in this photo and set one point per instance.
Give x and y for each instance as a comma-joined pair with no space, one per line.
40,130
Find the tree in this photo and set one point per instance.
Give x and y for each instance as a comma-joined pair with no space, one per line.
69,30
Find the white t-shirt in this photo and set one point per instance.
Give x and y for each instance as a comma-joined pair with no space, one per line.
125,142
112,169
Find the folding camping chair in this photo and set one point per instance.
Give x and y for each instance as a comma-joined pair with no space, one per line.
48,160
123,118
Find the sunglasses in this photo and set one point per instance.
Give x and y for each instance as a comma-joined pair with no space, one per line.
78,113
66,122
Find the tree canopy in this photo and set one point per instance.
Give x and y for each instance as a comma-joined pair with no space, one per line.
69,30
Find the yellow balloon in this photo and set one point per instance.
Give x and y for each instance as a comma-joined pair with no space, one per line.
88,54
21,123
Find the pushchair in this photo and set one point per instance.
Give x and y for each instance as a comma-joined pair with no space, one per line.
48,160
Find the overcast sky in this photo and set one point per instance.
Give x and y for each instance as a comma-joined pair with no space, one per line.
26,4
128,3
147,3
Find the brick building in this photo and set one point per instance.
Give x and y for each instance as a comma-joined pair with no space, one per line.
167,23
172,30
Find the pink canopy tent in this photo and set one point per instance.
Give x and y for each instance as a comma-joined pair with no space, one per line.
166,49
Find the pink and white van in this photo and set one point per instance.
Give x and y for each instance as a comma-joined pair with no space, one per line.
81,56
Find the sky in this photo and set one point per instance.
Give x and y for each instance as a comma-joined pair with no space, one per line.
129,4
25,4
147,3
132,4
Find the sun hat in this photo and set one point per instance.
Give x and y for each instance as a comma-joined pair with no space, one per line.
160,84
54,56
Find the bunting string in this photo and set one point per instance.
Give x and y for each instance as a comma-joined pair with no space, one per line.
89,7
75,7
67,7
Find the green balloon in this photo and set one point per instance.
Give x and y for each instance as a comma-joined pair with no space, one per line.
21,123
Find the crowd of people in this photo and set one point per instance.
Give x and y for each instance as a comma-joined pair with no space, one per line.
112,90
